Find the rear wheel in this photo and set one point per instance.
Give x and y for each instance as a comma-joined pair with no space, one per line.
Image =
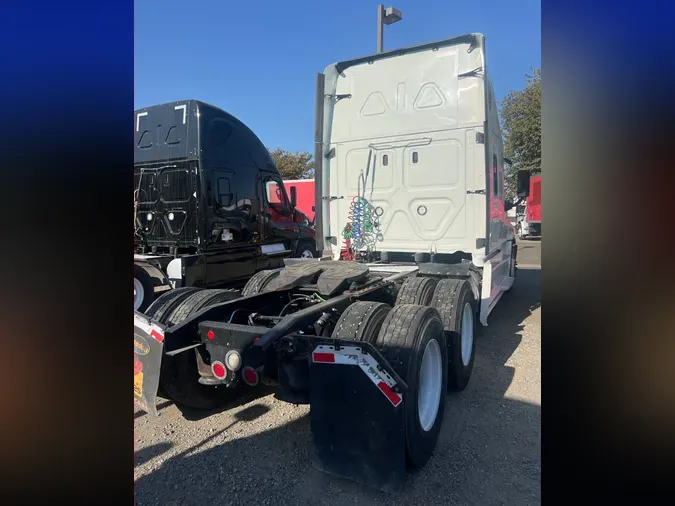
416,290
456,304
198,301
179,377
144,291
413,342
167,302
163,306
257,282
361,321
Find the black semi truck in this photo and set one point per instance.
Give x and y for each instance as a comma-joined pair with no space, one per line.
202,212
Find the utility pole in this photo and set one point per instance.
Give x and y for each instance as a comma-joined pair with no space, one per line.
387,16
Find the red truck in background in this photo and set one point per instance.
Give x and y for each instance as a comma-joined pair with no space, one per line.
528,215
295,222
304,189
304,209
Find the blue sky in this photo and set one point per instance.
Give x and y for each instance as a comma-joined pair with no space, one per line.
258,59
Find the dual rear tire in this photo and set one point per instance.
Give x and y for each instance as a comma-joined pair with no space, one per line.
179,377
428,338
258,282
456,305
411,338
455,302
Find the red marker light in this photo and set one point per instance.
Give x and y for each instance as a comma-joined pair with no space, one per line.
210,334
158,336
328,358
218,370
250,376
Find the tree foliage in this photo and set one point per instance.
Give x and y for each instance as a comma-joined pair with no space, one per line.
298,165
521,126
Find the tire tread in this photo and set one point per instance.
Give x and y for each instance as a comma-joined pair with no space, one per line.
257,282
198,301
363,319
416,290
166,302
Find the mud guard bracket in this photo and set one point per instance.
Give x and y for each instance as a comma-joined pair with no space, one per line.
357,416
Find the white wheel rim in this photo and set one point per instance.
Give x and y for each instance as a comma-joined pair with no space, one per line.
430,385
467,333
306,254
139,294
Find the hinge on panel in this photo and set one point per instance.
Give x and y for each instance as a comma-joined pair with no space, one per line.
330,154
331,198
480,138
343,95
476,192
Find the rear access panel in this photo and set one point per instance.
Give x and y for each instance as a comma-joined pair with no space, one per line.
402,137
357,420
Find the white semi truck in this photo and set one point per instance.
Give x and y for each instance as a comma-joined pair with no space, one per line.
415,249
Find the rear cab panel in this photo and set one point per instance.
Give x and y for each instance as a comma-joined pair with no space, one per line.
199,173
406,131
166,147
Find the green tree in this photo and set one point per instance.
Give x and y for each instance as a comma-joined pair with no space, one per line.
521,127
298,165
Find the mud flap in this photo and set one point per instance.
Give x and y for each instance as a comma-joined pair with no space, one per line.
356,418
148,350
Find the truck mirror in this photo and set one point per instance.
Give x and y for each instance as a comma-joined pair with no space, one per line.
294,197
523,184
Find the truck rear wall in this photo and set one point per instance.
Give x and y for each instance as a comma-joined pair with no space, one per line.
420,116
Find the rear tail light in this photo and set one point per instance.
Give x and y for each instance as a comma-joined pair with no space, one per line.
233,360
250,376
210,334
218,370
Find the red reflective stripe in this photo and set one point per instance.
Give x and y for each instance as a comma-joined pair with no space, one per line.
324,357
393,397
157,335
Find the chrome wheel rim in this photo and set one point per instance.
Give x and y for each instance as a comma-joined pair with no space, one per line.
467,334
430,385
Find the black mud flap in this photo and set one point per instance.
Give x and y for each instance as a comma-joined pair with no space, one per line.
357,415
148,350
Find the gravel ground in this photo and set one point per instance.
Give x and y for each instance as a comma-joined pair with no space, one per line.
258,451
